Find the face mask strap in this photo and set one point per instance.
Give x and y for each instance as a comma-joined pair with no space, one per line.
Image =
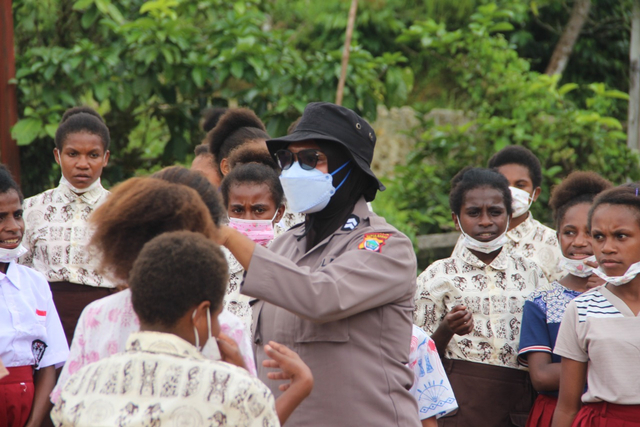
195,330
340,168
344,179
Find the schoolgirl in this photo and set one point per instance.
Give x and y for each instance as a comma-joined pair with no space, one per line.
145,211
543,310
471,305
57,229
599,336
254,200
32,342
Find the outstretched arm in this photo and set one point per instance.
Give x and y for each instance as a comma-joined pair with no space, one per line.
291,368
573,376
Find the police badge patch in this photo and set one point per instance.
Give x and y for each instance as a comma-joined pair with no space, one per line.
374,241
37,348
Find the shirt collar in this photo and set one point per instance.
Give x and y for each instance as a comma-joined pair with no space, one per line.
517,233
13,275
499,263
161,342
90,197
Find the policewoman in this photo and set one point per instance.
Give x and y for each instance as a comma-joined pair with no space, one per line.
337,288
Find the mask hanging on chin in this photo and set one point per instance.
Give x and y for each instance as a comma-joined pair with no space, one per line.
577,267
261,231
309,191
628,276
521,202
210,350
484,247
76,190
9,255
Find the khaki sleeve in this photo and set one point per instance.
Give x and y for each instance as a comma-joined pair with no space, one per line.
568,343
355,281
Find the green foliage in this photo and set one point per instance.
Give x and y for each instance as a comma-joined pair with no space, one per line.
506,103
152,66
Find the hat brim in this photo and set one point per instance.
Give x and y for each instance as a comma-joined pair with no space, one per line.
276,144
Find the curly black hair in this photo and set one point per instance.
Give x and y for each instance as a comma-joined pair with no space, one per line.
471,178
624,195
197,181
82,119
211,117
249,154
202,149
235,128
174,273
253,173
578,187
519,155
7,183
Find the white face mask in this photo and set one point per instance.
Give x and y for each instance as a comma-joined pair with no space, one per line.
210,350
484,247
259,230
8,255
521,201
308,191
577,267
628,276
95,184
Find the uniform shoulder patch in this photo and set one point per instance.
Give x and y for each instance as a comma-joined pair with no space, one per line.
374,241
352,222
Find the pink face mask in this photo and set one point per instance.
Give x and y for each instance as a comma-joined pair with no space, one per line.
259,230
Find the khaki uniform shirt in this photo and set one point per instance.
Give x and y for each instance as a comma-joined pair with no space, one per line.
345,307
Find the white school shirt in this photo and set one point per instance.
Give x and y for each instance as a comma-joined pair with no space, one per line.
27,314
58,235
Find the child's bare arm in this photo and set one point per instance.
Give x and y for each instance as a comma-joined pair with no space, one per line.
291,368
44,379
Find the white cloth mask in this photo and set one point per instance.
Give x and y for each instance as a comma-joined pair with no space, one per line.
8,255
577,267
95,184
210,350
521,201
628,276
484,247
309,191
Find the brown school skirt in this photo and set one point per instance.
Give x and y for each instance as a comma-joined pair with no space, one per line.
70,299
488,395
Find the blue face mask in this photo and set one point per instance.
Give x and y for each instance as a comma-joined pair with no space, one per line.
309,191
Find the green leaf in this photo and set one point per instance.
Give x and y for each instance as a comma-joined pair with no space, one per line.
237,69
198,76
51,129
89,17
501,27
82,4
566,88
610,122
26,130
114,12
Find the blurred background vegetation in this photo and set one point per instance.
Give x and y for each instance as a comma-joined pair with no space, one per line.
151,67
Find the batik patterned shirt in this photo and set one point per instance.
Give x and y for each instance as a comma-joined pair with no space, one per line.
105,325
163,380
536,242
57,235
494,294
234,301
431,387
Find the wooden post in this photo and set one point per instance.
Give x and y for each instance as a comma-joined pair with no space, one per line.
633,130
345,52
9,154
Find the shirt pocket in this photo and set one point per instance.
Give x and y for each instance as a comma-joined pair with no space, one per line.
306,331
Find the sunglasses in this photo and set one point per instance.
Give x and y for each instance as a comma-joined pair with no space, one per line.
308,159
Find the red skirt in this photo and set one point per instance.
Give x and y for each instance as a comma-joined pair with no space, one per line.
542,412
16,396
604,414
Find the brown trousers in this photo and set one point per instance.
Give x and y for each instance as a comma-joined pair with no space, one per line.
488,395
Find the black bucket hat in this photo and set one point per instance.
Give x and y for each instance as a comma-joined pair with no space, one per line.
329,122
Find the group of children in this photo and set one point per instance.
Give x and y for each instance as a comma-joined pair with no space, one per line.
522,325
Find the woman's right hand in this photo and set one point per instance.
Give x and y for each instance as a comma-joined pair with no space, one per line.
459,320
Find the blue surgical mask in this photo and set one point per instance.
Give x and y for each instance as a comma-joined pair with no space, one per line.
309,191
